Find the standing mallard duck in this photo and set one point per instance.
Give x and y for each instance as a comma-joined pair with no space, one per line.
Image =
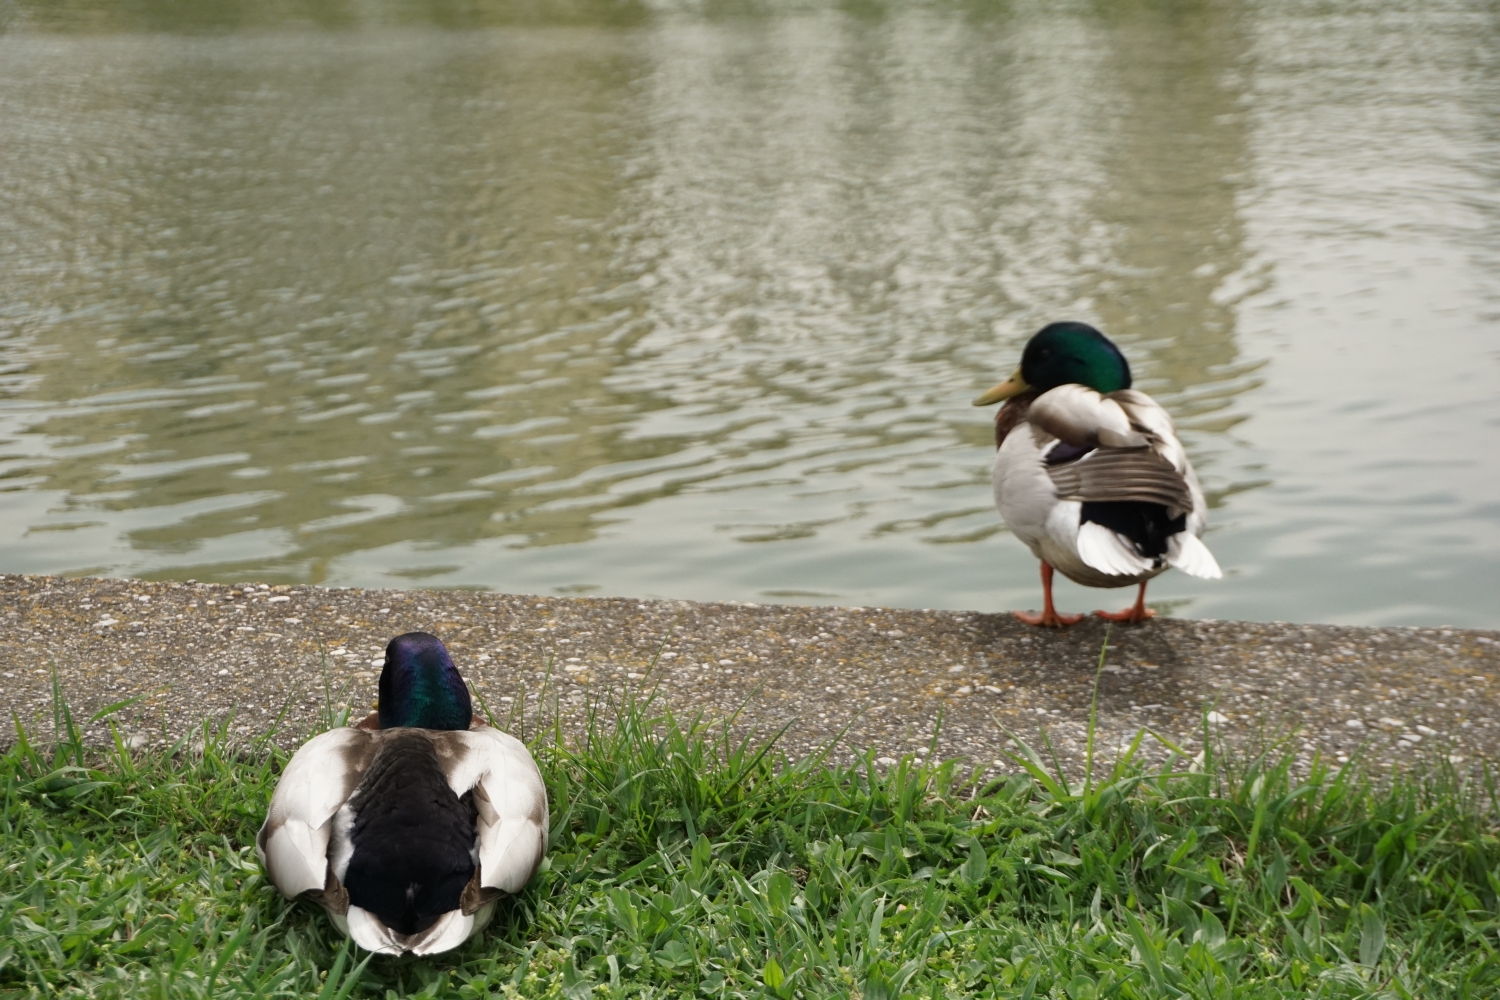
409,826
1089,472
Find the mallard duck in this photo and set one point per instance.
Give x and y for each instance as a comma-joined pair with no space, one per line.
1089,472
408,827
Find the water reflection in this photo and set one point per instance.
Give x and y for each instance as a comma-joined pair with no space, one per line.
222,16
575,299
1174,264
372,346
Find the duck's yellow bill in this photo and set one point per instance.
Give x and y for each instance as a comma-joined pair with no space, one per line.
1013,386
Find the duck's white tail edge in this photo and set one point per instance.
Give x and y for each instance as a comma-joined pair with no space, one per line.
1187,552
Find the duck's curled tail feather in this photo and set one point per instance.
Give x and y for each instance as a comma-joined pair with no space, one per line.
1187,552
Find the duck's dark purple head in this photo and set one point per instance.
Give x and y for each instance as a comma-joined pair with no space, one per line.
420,687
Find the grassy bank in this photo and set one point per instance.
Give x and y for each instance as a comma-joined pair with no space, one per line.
685,864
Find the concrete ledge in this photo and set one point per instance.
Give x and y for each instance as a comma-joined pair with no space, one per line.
191,651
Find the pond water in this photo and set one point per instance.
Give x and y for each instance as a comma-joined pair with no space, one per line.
690,301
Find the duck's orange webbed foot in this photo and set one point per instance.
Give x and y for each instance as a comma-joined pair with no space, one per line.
1048,619
1130,615
1135,614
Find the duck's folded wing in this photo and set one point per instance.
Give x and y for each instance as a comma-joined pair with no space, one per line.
511,800
1100,464
1121,447
293,841
1119,474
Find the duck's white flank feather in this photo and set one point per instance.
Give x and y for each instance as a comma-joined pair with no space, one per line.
341,844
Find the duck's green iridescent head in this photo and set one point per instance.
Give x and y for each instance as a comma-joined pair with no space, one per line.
420,687
1063,354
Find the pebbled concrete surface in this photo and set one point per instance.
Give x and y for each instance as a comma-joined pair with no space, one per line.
194,651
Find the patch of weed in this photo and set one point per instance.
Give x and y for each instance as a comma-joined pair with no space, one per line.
686,863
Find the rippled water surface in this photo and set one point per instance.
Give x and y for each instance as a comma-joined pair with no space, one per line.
691,302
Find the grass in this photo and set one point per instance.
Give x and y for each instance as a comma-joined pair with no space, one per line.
685,863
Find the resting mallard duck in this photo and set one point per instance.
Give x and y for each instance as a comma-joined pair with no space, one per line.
1089,472
409,826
